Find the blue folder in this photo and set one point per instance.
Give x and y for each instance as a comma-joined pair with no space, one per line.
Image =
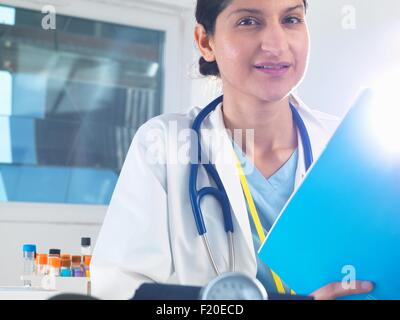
344,219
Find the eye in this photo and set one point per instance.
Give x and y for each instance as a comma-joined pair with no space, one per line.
292,20
248,22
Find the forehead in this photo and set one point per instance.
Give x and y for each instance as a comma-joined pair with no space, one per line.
265,6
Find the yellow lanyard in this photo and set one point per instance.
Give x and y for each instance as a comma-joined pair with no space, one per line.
256,220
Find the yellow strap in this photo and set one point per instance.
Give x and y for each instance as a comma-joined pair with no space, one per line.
256,219
250,202
278,282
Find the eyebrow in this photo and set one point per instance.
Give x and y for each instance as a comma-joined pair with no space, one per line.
245,10
290,9
257,11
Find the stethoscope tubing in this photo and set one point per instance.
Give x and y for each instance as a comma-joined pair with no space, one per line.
219,193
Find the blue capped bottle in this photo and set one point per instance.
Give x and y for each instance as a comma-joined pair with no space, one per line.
29,255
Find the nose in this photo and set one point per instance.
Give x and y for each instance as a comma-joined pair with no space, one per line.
274,39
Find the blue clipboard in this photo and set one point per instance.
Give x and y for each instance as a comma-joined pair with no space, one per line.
344,220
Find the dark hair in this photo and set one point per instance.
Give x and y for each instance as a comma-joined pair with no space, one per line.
207,12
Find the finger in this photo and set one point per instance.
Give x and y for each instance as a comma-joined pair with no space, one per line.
340,289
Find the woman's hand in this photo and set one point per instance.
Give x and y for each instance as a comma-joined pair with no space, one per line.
337,289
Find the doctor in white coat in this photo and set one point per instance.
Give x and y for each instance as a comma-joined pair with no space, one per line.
259,49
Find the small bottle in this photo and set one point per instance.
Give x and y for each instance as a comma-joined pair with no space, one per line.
77,270
86,263
65,256
79,273
86,249
54,253
65,266
29,253
41,264
54,266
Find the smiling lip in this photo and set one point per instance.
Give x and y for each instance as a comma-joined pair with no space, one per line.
275,69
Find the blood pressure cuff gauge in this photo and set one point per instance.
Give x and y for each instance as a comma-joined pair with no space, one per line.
228,286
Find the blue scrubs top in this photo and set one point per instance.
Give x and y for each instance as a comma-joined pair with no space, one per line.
270,196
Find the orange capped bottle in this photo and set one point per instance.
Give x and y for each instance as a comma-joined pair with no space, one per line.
41,264
86,264
54,266
65,266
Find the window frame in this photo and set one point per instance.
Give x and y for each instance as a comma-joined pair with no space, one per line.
155,15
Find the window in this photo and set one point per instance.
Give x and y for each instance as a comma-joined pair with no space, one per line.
71,100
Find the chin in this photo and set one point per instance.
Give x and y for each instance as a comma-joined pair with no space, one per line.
274,93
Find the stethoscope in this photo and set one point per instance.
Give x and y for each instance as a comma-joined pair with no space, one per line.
219,192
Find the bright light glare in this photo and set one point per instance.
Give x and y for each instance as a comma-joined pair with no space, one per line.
385,112
7,15
153,69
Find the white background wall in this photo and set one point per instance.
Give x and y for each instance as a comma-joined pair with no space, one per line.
47,226
344,60
341,62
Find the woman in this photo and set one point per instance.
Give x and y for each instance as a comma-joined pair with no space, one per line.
259,50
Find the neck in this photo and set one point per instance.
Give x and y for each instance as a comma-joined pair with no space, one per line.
272,122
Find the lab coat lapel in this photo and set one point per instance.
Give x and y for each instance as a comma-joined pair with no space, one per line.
301,168
318,138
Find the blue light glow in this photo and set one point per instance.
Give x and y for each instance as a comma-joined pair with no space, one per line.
5,140
3,194
5,92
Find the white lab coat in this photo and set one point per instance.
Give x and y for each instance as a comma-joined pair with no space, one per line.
149,233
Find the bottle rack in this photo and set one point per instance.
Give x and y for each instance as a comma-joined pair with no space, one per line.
79,285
